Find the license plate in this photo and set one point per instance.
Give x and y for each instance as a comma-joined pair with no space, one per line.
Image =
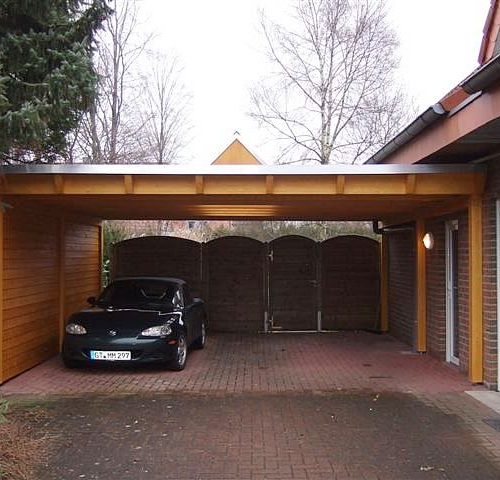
110,355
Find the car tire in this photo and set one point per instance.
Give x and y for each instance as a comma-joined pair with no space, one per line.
199,343
179,361
72,364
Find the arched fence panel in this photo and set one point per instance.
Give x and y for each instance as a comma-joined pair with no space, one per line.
350,283
159,257
235,284
293,283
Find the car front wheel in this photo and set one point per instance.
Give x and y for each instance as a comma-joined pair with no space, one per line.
179,361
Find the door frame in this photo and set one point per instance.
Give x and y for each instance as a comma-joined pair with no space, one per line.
450,226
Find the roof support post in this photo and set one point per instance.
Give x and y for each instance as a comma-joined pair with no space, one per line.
1,287
384,284
421,287
475,290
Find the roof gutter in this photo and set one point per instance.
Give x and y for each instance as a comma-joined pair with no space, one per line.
479,80
483,77
430,116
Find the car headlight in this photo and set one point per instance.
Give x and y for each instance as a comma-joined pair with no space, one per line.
157,331
75,329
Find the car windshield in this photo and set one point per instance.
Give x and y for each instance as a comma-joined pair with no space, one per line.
139,293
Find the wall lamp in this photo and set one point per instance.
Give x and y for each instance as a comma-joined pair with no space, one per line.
428,241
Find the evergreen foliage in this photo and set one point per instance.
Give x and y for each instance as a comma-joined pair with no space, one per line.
46,74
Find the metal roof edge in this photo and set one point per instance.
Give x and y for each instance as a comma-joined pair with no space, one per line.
237,170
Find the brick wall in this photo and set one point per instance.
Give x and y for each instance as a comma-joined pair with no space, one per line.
436,290
489,272
402,300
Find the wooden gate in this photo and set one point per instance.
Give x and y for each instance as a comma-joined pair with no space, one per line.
160,257
350,278
235,284
293,283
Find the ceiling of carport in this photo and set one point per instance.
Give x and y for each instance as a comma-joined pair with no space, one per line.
363,192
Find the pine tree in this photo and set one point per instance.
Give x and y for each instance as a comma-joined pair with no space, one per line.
46,76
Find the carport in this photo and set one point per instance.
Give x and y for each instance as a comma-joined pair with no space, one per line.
51,235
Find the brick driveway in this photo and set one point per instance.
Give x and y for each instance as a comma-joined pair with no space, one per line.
278,363
312,407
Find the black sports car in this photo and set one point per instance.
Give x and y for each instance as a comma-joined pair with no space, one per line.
137,320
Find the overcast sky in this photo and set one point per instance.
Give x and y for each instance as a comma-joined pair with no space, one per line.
219,45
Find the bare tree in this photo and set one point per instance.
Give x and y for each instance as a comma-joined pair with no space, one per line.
107,134
332,97
165,117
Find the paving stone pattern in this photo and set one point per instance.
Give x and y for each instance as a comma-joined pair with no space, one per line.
313,407
248,437
237,363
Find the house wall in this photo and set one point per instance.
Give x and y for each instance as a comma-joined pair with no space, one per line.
436,290
50,266
401,278
492,193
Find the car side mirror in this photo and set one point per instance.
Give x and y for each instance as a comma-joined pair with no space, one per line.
91,300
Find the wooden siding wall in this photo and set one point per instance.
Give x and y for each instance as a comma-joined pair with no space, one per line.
45,276
82,273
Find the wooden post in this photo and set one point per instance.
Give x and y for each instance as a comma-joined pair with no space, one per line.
1,288
101,258
421,288
475,290
62,279
384,284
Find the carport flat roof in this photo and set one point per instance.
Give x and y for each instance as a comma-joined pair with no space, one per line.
336,192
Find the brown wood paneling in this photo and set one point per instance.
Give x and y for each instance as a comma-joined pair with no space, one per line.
37,292
350,283
30,279
293,283
159,257
81,265
235,273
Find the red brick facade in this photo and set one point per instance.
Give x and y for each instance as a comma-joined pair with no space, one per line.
436,290
402,294
492,193
402,275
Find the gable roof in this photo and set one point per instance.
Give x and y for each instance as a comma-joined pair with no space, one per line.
236,154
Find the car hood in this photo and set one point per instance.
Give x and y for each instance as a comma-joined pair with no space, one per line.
98,320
